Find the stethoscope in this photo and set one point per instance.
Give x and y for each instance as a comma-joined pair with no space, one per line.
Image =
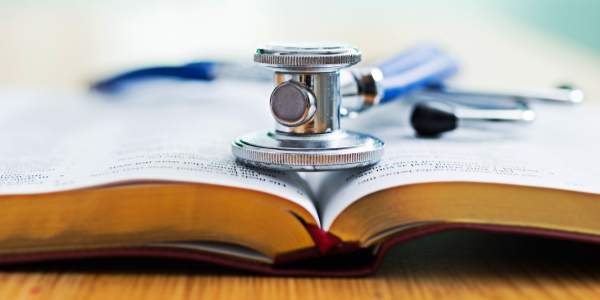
313,91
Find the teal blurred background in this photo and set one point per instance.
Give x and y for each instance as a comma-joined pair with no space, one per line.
576,20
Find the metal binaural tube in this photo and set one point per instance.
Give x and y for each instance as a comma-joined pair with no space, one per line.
564,95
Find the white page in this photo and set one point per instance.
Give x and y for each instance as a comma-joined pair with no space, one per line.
560,150
165,131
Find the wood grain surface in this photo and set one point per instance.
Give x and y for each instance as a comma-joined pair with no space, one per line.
454,265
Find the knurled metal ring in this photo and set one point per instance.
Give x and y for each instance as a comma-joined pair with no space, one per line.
308,60
353,150
328,54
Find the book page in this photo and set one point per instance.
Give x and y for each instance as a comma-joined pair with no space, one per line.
159,132
559,150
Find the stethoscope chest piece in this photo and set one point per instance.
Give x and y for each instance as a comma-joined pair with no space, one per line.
306,107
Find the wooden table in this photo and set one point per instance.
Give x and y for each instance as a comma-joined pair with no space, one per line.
456,265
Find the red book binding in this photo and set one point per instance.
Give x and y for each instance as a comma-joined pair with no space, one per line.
331,258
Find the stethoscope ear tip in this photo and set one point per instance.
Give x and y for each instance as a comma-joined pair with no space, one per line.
432,118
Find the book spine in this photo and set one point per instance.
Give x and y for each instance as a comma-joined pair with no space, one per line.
324,240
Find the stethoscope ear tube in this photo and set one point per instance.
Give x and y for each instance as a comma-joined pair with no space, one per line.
430,72
410,59
195,71
414,69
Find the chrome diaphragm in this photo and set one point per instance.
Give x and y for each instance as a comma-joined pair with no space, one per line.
306,107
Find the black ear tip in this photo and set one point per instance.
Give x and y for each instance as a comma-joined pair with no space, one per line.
430,119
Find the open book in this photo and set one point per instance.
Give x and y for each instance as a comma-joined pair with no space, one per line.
150,173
